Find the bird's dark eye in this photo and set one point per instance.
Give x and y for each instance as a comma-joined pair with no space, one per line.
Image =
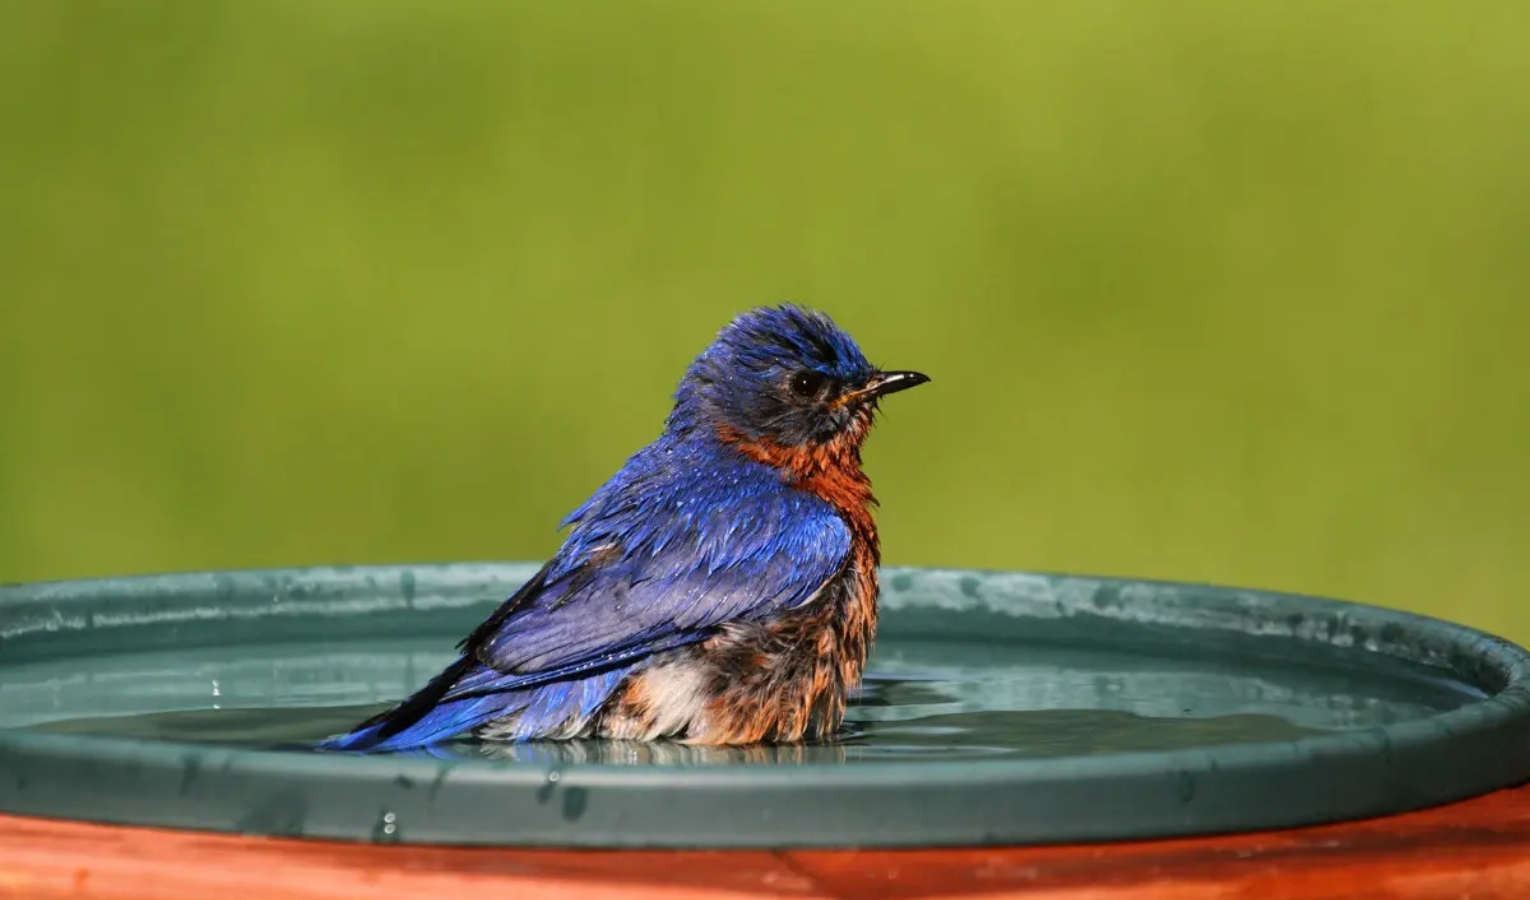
808,383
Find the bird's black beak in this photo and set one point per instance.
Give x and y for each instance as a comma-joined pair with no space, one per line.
884,383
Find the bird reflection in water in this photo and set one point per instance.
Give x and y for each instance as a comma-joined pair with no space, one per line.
648,753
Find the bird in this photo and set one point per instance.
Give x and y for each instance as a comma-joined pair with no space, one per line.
719,590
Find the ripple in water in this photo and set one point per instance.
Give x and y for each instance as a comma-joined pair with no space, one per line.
923,701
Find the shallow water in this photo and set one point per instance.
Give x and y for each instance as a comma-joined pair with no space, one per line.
922,700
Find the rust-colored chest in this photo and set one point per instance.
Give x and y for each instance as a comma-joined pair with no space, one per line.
787,678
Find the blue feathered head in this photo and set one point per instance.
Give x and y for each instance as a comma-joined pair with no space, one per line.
785,374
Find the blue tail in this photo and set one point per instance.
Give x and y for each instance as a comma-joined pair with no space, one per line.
482,696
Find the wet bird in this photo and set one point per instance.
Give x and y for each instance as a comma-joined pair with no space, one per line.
720,589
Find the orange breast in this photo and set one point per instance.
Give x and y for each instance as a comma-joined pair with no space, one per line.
839,629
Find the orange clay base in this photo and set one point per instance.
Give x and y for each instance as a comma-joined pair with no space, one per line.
1479,849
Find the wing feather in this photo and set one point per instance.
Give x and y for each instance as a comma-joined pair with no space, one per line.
691,562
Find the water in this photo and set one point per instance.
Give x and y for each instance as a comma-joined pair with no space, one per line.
922,700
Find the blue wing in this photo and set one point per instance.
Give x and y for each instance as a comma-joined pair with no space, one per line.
668,550
665,552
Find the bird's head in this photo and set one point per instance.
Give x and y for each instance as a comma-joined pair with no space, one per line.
786,378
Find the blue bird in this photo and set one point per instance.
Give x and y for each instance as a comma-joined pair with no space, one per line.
720,589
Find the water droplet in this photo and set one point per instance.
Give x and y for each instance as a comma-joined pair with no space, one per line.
386,828
549,785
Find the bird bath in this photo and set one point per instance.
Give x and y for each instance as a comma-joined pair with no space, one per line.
1000,708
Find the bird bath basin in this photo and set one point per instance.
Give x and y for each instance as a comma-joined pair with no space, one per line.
1000,708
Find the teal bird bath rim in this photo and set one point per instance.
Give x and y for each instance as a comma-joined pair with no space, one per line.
999,708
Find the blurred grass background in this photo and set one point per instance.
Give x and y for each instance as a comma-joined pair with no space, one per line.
1228,292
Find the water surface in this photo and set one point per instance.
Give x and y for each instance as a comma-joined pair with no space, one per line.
922,700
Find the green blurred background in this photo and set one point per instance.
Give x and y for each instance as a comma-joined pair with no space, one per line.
1213,291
